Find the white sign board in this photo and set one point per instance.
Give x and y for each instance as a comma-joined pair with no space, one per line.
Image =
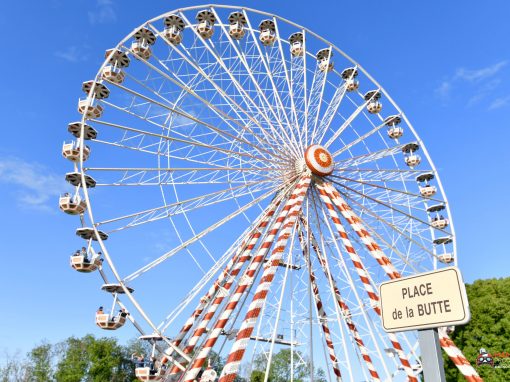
427,300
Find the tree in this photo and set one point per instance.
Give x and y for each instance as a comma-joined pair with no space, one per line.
489,328
40,363
74,359
95,360
15,369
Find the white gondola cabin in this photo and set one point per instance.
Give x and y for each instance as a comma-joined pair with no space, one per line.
394,130
146,374
209,375
373,105
89,110
113,74
349,76
205,26
411,159
174,25
267,32
426,190
104,321
237,22
296,44
438,221
324,60
88,131
73,149
81,264
446,258
72,205
141,47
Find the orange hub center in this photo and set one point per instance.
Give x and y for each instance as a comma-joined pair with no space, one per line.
319,160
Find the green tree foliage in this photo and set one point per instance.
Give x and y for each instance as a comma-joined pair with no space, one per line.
86,359
489,328
41,363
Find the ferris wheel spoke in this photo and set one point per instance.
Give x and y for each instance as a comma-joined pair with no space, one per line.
390,206
383,175
274,91
367,158
363,275
348,122
182,207
255,67
362,232
358,140
244,96
321,313
290,212
401,233
232,269
288,73
197,237
188,116
213,308
243,286
181,203
333,107
180,140
384,188
346,312
185,174
218,112
316,96
181,158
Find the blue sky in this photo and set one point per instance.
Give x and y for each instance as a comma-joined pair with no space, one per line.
447,65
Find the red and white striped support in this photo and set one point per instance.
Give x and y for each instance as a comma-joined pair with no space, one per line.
346,312
246,280
363,275
243,336
229,273
457,357
320,308
447,344
360,230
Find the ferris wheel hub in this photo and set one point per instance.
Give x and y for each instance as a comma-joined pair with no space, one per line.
319,160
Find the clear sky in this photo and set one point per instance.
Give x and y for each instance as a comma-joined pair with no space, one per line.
447,64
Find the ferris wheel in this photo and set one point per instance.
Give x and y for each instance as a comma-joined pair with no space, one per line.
242,191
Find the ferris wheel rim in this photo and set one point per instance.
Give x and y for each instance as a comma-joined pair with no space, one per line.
98,79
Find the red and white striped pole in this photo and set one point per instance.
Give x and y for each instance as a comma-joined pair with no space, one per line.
453,352
228,274
457,357
243,336
244,283
363,275
360,230
320,308
346,312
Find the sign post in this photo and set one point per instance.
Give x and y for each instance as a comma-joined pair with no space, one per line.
425,302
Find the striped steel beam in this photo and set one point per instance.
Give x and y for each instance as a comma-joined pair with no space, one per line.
243,336
320,307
